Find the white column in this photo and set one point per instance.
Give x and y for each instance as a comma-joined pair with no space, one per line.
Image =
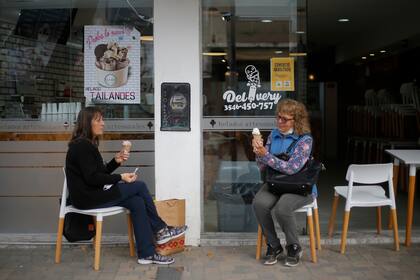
178,155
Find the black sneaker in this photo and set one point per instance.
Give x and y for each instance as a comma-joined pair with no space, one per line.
157,259
294,253
273,254
169,233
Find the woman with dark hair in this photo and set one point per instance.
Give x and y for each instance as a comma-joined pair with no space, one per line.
293,130
91,185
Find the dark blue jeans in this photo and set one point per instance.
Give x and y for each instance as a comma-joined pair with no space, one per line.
146,221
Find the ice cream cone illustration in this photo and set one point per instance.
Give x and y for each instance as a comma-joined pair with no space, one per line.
253,77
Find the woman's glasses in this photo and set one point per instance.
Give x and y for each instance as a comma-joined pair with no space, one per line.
283,119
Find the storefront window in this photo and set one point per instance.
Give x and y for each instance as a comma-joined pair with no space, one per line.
42,63
254,54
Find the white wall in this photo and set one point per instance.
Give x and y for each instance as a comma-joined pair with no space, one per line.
178,155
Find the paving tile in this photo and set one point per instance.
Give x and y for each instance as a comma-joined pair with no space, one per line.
372,261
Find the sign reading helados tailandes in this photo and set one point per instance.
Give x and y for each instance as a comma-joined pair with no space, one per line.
254,99
282,74
112,64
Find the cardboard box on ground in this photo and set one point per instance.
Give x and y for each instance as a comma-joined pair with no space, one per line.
172,211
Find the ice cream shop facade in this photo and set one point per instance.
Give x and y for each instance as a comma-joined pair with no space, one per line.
184,81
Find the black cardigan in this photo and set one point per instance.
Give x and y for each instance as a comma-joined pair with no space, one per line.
87,174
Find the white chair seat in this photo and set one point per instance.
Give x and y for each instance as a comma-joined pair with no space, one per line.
306,207
108,211
365,195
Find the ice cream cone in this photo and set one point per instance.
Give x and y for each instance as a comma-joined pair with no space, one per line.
256,134
126,146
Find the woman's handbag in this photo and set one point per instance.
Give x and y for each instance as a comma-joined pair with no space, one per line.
300,183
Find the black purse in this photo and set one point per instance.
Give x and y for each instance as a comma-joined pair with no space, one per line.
78,227
300,183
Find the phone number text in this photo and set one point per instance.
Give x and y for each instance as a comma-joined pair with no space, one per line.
250,106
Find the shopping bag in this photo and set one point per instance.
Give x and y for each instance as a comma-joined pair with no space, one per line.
172,211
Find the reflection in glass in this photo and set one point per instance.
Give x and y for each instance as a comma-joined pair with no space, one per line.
41,56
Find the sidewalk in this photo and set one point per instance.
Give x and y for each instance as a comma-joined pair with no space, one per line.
372,261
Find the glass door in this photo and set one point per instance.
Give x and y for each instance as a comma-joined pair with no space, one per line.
254,54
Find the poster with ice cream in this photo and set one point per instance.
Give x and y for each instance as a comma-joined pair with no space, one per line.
112,64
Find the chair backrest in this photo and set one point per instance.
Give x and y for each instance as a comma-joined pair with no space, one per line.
369,173
406,91
416,97
384,96
370,97
64,196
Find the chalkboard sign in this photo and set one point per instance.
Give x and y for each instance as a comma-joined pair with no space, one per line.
175,107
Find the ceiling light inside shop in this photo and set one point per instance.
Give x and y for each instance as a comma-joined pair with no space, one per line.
343,20
215,53
223,60
278,52
364,57
300,32
297,54
146,38
311,77
372,54
383,51
266,20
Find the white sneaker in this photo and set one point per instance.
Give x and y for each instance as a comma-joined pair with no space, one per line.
156,259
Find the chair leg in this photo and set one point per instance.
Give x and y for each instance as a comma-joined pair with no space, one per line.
395,227
378,220
259,243
130,235
59,240
93,239
331,223
312,238
395,172
98,238
317,230
344,233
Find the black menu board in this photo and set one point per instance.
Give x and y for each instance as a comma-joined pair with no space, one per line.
175,107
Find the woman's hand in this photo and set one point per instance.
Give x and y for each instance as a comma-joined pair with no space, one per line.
258,148
121,156
128,177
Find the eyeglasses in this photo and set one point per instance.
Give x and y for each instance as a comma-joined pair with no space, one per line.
283,119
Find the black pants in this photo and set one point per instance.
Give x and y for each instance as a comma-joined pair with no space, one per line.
146,221
284,210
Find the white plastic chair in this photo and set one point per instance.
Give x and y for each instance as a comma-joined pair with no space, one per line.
406,91
365,196
308,209
98,214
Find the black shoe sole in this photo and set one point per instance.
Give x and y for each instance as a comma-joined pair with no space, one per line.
294,264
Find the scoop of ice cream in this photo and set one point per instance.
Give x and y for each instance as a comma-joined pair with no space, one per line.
100,50
256,131
126,145
111,57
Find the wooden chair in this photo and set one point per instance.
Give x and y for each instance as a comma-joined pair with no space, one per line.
365,196
98,214
308,209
